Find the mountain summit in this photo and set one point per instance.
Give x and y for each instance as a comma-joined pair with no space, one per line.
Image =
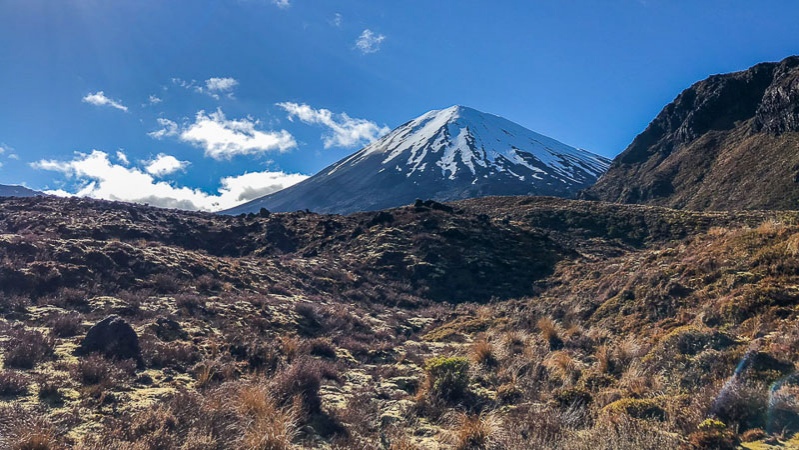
447,154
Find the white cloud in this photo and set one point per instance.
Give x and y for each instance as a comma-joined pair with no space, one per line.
223,139
282,3
168,128
337,20
154,100
220,84
252,185
183,83
344,131
164,164
7,149
369,41
97,177
99,99
122,157
213,87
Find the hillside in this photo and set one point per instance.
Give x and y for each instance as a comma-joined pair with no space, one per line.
449,154
17,191
728,142
501,322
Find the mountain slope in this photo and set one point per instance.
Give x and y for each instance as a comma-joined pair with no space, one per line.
17,191
450,154
727,142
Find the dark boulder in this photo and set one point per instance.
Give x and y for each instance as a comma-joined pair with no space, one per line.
113,338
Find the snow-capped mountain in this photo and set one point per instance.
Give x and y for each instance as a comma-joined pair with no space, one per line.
448,154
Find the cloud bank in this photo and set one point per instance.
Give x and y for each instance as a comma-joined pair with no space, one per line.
97,177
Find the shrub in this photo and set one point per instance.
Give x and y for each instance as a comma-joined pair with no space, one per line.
190,302
96,370
509,393
176,355
302,379
66,325
743,405
689,340
26,348
233,415
49,390
210,372
165,283
572,396
752,435
207,284
322,347
260,355
13,383
22,429
447,377
713,434
638,408
402,443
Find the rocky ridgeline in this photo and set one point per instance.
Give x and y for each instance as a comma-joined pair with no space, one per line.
727,142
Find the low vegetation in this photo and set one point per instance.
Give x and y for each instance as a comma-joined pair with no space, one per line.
504,323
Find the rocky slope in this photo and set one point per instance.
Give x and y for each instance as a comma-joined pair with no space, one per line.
502,322
451,154
728,142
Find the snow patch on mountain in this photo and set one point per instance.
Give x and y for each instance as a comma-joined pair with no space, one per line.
459,139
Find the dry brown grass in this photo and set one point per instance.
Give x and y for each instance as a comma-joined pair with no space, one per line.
563,366
483,353
403,443
792,245
25,430
548,328
476,432
270,427
604,359
770,227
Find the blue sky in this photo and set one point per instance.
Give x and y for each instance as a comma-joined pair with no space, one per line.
204,104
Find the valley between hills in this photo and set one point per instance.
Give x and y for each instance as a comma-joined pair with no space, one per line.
501,322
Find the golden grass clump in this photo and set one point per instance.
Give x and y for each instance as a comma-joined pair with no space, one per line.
472,432
270,427
792,244
563,366
770,227
483,353
550,332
